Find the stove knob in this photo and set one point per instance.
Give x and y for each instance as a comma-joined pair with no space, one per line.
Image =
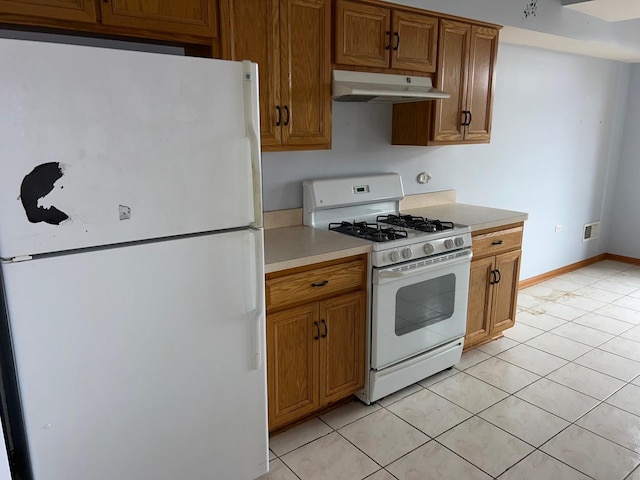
394,256
429,248
448,243
459,241
406,253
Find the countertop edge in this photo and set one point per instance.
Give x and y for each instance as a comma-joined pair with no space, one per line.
318,258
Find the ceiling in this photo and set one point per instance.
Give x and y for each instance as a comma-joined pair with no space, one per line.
607,10
619,15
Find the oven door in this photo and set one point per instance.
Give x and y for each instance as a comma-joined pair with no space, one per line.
418,305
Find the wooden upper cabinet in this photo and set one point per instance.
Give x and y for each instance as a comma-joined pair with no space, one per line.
481,79
466,70
378,37
452,78
290,40
69,10
305,59
414,43
255,35
192,17
363,34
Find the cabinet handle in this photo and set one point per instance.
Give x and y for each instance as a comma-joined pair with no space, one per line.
397,35
320,284
286,110
326,329
388,46
493,278
499,275
279,120
470,118
317,336
497,242
464,118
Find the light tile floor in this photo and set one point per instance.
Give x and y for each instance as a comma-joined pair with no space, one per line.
558,397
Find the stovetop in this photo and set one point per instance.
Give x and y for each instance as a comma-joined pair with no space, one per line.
397,229
368,207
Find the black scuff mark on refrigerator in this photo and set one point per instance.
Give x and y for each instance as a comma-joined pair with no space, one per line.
36,185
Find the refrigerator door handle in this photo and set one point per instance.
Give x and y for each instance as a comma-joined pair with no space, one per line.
252,118
258,316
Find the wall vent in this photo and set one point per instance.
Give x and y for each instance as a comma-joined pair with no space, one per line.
591,231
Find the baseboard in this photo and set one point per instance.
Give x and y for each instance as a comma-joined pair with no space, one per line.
621,258
575,266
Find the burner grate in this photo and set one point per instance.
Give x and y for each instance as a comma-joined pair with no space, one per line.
368,231
416,223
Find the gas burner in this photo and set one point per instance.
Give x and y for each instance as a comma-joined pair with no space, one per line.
416,223
368,231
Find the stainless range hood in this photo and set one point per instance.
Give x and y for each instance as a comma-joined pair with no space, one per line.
382,88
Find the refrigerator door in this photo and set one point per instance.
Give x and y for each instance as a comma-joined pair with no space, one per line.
145,362
104,146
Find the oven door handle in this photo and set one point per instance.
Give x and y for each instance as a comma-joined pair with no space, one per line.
384,276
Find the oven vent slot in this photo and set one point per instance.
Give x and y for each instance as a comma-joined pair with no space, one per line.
591,231
430,261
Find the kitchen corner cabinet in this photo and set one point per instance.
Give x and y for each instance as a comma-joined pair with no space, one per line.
172,20
466,70
493,284
315,337
375,36
290,40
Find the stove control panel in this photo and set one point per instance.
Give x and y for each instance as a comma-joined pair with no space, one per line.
383,256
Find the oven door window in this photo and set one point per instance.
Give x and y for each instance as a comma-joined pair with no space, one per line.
424,304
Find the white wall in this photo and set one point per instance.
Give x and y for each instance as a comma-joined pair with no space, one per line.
626,207
555,145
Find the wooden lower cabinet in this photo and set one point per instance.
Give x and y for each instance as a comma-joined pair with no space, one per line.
315,342
493,284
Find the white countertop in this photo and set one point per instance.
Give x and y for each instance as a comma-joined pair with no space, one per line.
478,218
297,246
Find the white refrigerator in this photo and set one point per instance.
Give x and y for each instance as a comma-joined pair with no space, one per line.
133,323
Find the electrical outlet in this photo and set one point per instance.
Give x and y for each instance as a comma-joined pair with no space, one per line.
558,228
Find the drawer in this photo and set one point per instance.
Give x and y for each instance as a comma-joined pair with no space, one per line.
314,284
492,243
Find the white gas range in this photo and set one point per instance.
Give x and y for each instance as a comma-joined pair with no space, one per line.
419,277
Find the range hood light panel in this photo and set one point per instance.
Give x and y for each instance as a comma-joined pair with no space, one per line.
382,88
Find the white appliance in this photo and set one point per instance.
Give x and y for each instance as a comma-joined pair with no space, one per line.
369,87
132,265
419,275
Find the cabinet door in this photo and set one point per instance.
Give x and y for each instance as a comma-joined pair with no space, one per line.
254,34
342,362
479,309
191,17
414,42
292,363
453,47
483,52
305,83
73,10
363,34
505,292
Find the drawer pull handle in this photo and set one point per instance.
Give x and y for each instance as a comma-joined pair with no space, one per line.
499,276
317,325
326,329
320,284
497,242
